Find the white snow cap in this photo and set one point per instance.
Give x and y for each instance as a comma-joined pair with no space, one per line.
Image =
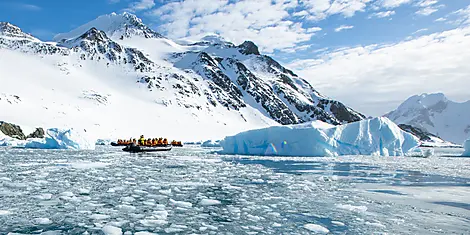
424,100
466,145
110,24
378,136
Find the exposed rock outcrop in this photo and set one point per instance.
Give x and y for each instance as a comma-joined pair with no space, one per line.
12,130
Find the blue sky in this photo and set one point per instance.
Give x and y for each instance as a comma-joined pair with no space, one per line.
317,38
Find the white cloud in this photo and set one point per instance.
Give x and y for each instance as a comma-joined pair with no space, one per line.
343,27
265,22
375,79
113,1
321,9
420,31
463,16
393,3
426,11
427,3
29,7
442,19
382,14
313,29
140,5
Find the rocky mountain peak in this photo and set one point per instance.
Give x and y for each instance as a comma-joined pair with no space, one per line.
249,48
117,26
94,35
10,30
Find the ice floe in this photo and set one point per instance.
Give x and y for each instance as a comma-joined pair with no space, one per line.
316,228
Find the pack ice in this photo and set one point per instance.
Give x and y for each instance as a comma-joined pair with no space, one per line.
377,136
55,138
466,145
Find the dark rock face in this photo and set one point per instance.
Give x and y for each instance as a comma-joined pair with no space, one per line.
248,48
284,97
96,45
12,130
38,133
418,132
263,94
225,91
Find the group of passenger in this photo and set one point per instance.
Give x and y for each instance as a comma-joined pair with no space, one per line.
152,142
148,142
126,142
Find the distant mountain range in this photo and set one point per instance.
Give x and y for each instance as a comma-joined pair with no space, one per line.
120,77
436,114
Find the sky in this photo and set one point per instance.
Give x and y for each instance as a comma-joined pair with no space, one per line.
369,54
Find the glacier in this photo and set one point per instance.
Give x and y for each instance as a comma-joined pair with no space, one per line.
55,138
377,137
466,145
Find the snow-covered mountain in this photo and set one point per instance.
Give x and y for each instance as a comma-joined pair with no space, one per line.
436,114
117,76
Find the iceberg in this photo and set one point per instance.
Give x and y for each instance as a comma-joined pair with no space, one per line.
466,145
211,143
54,138
376,136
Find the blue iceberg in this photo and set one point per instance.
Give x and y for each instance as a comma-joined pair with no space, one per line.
466,145
377,136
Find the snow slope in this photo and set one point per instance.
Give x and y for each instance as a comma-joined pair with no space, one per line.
435,114
378,137
117,78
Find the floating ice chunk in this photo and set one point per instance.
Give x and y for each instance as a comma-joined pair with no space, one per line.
42,221
4,212
165,192
111,230
375,224
174,228
209,202
161,214
352,208
377,136
144,233
126,208
153,222
181,203
67,194
316,228
466,146
211,143
253,218
98,216
127,199
337,223
84,191
276,225
45,196
88,165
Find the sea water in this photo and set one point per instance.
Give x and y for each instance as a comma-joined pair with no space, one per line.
194,190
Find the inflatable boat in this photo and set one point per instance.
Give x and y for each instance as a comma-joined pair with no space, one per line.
144,149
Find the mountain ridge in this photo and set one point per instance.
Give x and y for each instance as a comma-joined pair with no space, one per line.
436,114
200,78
